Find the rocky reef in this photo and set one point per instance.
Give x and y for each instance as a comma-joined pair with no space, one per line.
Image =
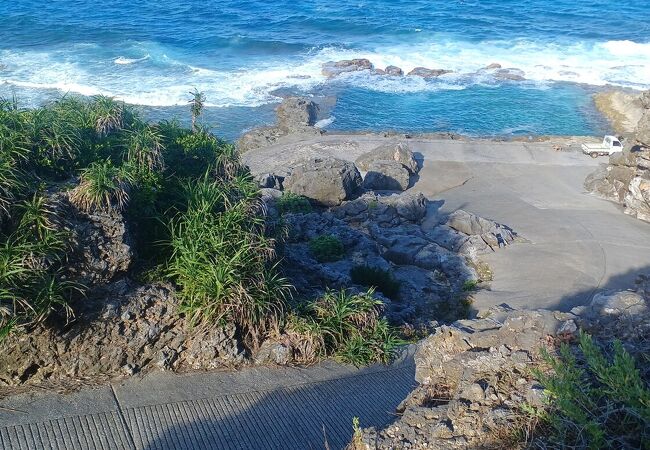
475,376
626,178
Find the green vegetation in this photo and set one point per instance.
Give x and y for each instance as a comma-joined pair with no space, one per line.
293,203
595,400
326,248
195,213
382,280
347,326
470,285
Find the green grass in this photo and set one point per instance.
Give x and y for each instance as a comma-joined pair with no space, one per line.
346,326
326,248
223,262
377,278
596,399
293,203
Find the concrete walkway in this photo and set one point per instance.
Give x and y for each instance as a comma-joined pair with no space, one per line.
257,408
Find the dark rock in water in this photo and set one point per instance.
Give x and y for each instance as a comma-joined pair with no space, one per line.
326,181
492,66
390,152
295,115
101,246
428,73
394,71
333,69
510,74
386,176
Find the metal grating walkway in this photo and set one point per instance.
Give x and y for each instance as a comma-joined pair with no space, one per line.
258,408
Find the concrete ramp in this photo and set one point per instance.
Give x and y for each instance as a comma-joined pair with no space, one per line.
257,408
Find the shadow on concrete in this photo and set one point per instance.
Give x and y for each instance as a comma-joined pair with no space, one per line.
311,416
620,282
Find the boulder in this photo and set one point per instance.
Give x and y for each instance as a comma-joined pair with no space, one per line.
493,66
326,181
617,304
386,176
637,198
510,74
296,114
427,73
394,71
333,69
492,233
399,152
411,206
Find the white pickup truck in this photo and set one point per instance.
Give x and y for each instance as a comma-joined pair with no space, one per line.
610,145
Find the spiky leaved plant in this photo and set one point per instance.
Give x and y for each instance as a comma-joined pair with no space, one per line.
102,187
108,114
145,148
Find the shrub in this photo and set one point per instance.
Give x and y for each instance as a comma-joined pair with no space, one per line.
380,279
326,248
345,325
595,401
293,203
223,262
470,285
103,187
145,148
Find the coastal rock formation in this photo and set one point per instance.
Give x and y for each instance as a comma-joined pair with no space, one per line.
427,73
388,167
333,69
384,232
326,181
510,74
121,330
386,176
394,71
100,244
399,152
626,179
295,115
622,109
475,375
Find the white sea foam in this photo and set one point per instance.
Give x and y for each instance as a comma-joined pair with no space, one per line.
125,61
167,80
324,123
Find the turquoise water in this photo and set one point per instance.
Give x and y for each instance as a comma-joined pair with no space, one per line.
245,54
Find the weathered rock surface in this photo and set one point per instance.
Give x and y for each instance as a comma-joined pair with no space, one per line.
427,73
510,74
394,71
295,115
333,69
121,330
100,246
326,181
475,375
399,152
386,176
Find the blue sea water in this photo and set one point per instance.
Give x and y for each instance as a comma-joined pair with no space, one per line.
246,54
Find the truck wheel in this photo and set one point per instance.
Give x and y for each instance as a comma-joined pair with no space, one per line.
593,154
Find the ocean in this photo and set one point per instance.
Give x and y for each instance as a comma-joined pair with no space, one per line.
245,55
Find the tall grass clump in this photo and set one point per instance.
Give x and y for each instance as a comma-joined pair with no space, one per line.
596,400
102,187
347,326
223,262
